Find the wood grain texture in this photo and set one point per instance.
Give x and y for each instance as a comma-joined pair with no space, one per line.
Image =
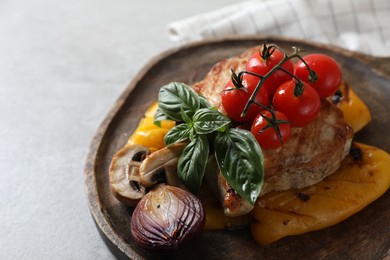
363,236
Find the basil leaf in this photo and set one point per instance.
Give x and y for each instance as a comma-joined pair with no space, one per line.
206,121
160,116
185,118
177,134
241,162
175,97
192,162
203,102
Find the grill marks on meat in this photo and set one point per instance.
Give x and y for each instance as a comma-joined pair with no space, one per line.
214,82
312,153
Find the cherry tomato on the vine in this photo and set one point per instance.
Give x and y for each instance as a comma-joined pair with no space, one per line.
328,73
300,110
266,133
234,101
262,66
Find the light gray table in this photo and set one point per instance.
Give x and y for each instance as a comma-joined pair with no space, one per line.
62,66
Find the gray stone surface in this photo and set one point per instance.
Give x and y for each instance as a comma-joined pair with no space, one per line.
62,66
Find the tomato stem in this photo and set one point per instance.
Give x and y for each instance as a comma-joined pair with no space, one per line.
266,52
299,87
274,123
236,79
312,77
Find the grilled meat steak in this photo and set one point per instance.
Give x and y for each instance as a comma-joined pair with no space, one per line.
312,153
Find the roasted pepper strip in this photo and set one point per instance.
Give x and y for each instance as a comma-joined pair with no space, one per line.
362,178
356,112
148,134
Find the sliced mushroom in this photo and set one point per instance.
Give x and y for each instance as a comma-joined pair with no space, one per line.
161,167
124,174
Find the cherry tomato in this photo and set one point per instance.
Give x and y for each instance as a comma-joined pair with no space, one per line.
234,101
327,70
259,65
300,110
266,134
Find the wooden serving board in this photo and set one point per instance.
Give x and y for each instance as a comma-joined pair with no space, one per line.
366,235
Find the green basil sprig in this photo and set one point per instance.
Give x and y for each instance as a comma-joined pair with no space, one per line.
237,152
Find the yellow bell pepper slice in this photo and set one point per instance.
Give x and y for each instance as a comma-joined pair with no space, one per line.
148,134
355,185
152,110
356,112
147,123
151,138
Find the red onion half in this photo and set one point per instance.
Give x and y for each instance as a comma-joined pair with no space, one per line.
167,217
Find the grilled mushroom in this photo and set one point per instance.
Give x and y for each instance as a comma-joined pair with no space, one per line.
124,174
161,167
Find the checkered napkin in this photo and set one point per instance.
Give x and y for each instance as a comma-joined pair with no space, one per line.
358,25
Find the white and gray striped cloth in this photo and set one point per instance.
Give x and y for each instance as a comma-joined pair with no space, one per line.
358,25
